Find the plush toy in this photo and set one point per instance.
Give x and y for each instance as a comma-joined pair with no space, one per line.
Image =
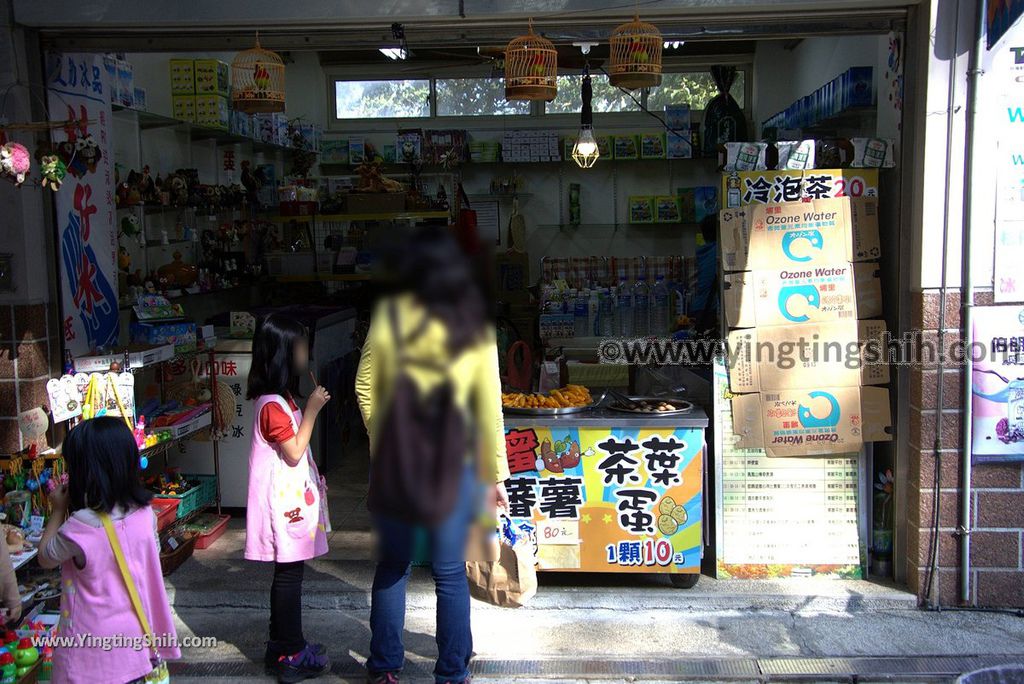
53,171
15,161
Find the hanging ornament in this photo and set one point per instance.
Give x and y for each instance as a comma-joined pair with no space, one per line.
531,68
15,161
53,171
635,49
257,77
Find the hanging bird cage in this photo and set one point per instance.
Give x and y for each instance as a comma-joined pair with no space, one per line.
257,81
531,68
635,55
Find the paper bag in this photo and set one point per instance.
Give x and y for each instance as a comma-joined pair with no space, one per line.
510,581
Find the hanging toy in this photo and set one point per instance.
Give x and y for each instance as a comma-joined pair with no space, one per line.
53,171
32,484
56,481
15,161
143,462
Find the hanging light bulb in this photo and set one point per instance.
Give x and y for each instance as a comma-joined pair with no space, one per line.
585,152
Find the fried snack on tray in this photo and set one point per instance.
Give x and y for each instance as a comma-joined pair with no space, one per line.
564,397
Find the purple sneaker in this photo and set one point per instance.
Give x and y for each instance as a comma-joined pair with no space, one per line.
305,664
382,678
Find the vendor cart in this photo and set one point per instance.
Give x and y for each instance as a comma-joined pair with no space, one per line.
609,491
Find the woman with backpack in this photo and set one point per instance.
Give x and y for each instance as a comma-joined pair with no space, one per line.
430,396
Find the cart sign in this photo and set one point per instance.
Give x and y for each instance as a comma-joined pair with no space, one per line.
609,500
997,384
775,187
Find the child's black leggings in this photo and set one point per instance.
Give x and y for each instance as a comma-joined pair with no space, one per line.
286,607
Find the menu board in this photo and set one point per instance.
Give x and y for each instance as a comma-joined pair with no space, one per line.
783,516
609,499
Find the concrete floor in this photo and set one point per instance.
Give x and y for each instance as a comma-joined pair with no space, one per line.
603,620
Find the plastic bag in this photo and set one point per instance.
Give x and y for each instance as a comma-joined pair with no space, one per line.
723,118
511,580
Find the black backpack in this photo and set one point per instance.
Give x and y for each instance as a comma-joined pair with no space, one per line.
421,448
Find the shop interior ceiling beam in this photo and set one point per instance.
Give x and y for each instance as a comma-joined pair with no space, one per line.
128,25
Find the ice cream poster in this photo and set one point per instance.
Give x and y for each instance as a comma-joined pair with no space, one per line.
609,500
997,383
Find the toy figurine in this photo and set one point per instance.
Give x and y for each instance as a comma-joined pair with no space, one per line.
15,161
53,171
147,188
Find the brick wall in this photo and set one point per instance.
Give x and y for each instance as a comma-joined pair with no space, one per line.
997,515
29,352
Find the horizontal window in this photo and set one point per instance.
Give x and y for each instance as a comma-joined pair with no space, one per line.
695,88
607,98
382,99
475,97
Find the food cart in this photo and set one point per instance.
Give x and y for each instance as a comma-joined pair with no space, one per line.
611,490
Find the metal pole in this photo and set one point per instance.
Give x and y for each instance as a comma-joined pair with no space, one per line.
967,308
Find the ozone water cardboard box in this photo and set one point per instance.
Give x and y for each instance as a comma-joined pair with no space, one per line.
810,422
829,354
818,232
809,294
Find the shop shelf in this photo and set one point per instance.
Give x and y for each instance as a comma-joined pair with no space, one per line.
19,559
385,216
136,359
325,278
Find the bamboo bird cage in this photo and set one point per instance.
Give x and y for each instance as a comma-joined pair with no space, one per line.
531,68
635,55
257,81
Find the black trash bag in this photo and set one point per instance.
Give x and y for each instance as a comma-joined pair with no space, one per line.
723,118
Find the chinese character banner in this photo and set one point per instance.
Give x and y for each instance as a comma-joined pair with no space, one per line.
610,499
775,187
77,90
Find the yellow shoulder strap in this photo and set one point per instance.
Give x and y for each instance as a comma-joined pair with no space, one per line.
133,592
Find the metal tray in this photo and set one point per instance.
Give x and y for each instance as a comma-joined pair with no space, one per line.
686,408
524,411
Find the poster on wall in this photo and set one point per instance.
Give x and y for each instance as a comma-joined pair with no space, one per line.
86,232
997,384
609,499
1000,16
1006,69
742,188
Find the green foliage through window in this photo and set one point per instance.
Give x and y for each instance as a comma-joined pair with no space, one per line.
381,99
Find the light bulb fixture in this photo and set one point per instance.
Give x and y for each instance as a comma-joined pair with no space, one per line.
585,151
402,50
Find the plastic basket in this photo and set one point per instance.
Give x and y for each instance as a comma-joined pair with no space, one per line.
201,495
166,511
171,561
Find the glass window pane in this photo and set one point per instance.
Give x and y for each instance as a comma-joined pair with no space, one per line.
475,97
695,88
607,98
381,99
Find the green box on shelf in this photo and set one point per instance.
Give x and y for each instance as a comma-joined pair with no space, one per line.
641,209
213,77
200,496
666,209
626,146
182,334
652,146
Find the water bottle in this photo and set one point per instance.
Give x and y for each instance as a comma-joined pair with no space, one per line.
593,312
641,307
659,307
579,312
606,317
624,308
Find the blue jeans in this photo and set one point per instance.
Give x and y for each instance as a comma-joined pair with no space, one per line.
448,565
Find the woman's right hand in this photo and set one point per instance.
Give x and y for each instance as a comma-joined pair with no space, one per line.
59,497
318,399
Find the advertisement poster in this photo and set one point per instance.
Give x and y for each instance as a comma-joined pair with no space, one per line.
86,232
774,187
997,384
1006,71
609,500
783,517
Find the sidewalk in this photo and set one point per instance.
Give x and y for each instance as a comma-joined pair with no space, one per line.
594,627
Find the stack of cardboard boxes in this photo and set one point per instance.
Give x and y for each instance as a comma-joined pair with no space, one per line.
801,297
199,92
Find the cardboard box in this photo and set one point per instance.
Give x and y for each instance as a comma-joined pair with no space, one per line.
782,357
814,233
625,146
183,76
812,294
213,77
183,107
652,146
212,111
809,422
182,334
666,209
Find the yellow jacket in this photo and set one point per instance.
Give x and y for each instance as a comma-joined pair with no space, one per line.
474,373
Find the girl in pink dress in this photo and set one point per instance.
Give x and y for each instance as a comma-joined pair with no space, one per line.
286,516
104,478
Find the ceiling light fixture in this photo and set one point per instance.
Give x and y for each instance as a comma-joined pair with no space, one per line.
585,151
402,50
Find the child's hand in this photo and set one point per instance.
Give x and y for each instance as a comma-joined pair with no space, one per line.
59,497
317,399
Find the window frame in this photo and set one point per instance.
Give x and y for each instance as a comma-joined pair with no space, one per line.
536,118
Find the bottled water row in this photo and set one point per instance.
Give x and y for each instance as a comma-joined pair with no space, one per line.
634,309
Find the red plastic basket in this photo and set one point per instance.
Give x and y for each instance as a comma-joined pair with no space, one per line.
212,534
166,511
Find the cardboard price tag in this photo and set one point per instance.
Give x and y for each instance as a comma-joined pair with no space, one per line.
558,532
